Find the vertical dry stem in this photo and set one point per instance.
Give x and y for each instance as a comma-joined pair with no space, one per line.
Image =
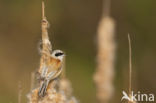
130,69
130,65
46,45
32,80
19,92
106,7
105,57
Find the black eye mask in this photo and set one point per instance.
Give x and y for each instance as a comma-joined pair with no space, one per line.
59,54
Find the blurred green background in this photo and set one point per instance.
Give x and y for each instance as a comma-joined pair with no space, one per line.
73,29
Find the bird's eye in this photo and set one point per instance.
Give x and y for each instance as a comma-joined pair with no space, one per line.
59,54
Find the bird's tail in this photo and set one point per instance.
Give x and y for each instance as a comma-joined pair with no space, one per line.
43,88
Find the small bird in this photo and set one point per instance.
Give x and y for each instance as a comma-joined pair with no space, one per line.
51,70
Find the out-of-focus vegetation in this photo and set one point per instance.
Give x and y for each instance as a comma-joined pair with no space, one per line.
73,29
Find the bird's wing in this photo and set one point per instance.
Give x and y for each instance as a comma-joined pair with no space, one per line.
51,74
54,74
57,73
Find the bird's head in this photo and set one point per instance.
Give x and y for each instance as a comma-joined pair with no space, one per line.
58,54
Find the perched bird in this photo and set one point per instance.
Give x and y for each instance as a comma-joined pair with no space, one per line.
51,70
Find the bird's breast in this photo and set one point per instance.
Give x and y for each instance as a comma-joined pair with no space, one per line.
53,64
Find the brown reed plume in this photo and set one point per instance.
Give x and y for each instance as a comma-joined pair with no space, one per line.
105,56
58,91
